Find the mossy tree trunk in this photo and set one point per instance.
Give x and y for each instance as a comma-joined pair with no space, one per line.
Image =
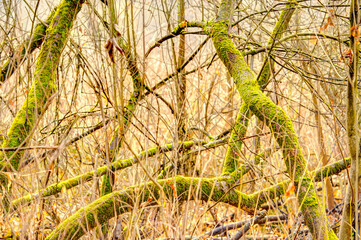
240,128
275,118
43,86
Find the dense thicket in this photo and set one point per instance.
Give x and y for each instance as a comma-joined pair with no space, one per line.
145,119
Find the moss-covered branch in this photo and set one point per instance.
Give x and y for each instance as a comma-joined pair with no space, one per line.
28,46
182,188
277,33
236,140
318,175
276,119
219,189
44,84
88,176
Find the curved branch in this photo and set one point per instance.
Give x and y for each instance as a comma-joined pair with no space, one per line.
178,30
88,176
219,189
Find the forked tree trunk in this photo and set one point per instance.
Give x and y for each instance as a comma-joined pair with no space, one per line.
276,119
240,127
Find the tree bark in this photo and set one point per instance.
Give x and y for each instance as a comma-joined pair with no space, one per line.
351,198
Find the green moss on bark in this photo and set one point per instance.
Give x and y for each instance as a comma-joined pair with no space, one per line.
280,27
278,122
218,189
88,176
236,140
240,128
44,84
182,188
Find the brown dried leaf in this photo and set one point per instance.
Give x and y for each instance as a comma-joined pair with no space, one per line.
110,50
330,21
355,31
290,190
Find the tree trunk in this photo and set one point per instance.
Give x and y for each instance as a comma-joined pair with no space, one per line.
275,118
240,128
44,85
351,198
